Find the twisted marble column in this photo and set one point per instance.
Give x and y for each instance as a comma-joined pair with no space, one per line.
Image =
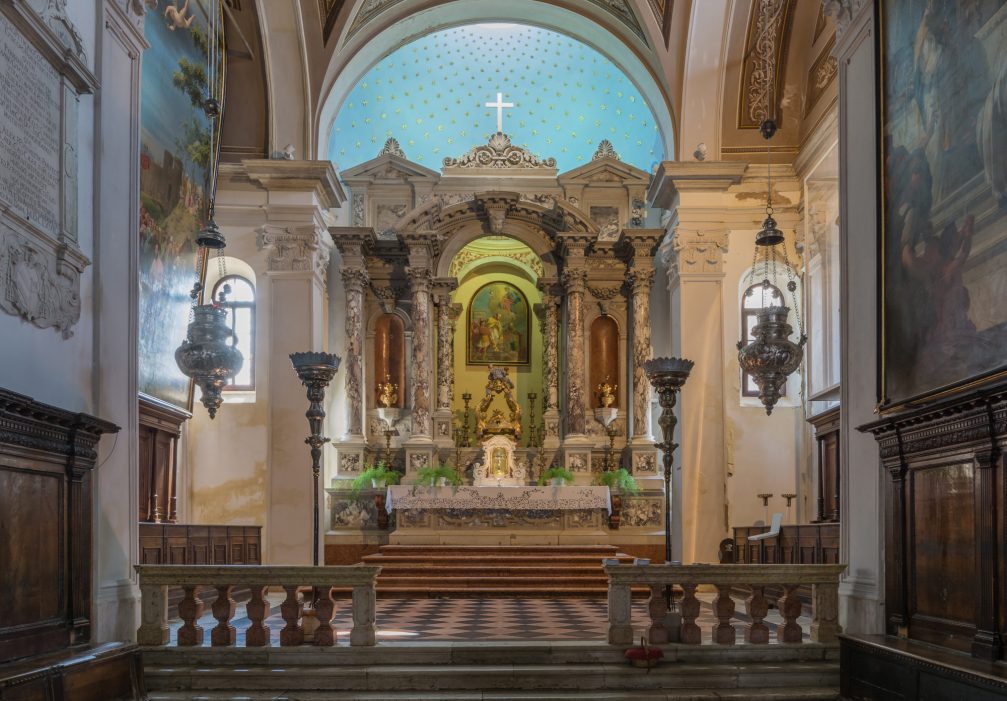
574,281
549,320
640,281
354,280
419,283
445,351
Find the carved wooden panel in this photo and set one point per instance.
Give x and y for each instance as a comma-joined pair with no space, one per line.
46,455
160,428
180,544
826,425
945,497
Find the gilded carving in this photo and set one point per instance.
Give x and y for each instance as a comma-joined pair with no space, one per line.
499,152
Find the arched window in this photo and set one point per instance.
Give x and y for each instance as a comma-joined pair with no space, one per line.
240,306
755,298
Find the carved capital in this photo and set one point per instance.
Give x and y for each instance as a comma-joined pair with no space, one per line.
574,280
355,279
294,250
640,279
699,252
420,279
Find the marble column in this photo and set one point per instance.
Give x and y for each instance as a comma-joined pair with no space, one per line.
640,244
353,244
419,283
549,318
574,281
355,280
576,443
447,315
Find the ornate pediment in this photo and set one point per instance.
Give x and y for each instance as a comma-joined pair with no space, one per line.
390,165
499,153
606,168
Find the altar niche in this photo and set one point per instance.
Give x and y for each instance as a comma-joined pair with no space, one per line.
498,261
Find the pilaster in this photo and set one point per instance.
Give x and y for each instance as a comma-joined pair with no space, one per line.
420,449
296,246
447,317
549,315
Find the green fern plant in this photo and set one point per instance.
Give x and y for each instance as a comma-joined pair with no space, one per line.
378,473
430,476
619,480
555,473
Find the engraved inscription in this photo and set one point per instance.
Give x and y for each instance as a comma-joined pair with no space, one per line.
29,131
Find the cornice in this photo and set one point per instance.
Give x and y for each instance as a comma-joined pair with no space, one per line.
305,176
673,177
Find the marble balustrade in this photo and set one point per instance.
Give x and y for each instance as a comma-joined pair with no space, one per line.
823,579
155,580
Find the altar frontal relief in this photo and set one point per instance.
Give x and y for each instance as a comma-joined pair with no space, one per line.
944,92
174,165
498,323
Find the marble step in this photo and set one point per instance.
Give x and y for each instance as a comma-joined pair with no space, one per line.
514,652
480,570
430,678
510,559
787,694
499,549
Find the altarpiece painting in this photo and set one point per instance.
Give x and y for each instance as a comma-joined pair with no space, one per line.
499,328
944,178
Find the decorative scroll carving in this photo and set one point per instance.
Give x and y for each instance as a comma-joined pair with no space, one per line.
641,512
355,281
549,318
605,293
471,254
39,284
699,251
300,250
392,148
765,47
359,214
605,150
499,152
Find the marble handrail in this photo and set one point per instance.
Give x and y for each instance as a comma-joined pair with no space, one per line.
155,580
823,579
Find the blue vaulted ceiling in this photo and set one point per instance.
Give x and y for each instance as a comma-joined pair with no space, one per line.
430,95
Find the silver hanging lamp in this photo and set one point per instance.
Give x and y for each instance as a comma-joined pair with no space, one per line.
771,357
208,355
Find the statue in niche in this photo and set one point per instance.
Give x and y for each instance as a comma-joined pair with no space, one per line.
499,432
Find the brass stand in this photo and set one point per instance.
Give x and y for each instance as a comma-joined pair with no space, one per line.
315,370
611,430
667,375
466,397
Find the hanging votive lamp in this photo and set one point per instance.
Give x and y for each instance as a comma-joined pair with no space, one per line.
208,354
769,357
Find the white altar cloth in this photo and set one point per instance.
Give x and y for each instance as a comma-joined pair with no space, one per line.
523,498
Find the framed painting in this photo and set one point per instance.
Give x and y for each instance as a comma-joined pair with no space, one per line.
499,328
943,196
175,163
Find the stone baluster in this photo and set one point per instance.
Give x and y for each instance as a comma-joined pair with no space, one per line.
190,608
575,280
364,631
325,611
153,628
257,634
790,609
723,632
223,634
691,634
757,632
825,626
355,281
620,614
291,609
657,607
419,282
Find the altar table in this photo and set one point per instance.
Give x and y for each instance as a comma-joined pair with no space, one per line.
501,514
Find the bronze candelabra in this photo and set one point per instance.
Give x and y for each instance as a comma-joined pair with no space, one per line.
466,397
315,370
667,375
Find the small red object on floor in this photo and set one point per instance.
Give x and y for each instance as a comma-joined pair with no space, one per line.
644,656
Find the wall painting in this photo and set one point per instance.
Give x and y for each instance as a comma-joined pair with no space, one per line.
499,331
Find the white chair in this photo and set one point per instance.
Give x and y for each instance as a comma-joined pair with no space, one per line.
774,529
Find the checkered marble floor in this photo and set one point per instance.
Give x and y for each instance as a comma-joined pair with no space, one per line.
488,619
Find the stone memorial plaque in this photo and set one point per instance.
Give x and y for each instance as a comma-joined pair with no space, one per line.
30,131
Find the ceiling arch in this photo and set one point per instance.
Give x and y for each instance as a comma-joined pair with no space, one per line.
564,99
404,23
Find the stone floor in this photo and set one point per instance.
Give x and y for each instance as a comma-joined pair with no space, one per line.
488,619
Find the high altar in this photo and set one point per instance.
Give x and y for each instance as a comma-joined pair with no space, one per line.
498,298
